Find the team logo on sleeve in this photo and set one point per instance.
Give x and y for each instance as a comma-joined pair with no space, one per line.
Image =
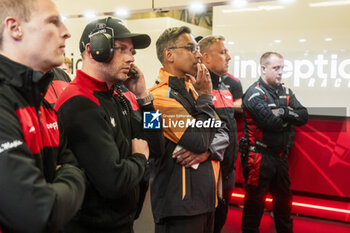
151,120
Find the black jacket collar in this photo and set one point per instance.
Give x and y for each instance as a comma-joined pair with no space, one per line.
215,79
31,84
268,87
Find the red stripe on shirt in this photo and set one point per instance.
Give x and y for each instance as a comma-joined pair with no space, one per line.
49,127
222,98
55,90
37,136
132,99
30,128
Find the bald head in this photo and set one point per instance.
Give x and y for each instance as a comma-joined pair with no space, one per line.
272,65
264,59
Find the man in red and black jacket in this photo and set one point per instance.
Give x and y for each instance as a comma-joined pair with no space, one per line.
41,188
103,129
225,90
270,113
59,82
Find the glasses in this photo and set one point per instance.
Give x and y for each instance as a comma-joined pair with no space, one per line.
193,48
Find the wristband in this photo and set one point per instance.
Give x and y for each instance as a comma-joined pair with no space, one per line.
147,100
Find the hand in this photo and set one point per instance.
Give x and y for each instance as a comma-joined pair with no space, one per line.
187,158
280,112
202,82
139,146
275,112
237,105
136,84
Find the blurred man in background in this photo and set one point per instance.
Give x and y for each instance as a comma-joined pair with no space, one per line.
67,66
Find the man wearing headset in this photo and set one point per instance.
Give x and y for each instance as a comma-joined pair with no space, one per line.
102,129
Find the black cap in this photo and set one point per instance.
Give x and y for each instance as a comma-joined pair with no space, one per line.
198,38
116,29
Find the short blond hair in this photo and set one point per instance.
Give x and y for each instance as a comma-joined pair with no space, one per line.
265,57
208,41
21,9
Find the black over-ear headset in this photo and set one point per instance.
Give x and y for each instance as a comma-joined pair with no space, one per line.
102,42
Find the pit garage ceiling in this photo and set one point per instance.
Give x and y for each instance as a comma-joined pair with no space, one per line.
78,7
